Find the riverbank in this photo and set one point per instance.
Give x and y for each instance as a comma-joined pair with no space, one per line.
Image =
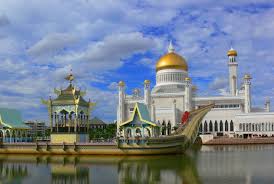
239,141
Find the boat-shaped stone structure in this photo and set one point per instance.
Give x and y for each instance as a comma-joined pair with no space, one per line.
175,143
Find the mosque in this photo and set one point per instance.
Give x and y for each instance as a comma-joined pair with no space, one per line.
174,95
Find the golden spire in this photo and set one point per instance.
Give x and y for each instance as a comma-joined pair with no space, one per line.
70,77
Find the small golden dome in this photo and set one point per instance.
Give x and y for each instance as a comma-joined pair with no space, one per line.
247,76
187,79
171,61
232,52
121,83
147,81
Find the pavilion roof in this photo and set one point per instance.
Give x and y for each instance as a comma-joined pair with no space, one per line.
12,119
141,110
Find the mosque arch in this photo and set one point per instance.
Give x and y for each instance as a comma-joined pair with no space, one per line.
216,126
231,126
253,128
210,126
168,128
272,127
205,126
263,127
221,126
226,125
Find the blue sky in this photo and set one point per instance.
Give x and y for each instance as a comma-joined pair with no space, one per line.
107,41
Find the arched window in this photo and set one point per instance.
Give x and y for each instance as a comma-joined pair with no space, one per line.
272,127
231,126
253,129
221,126
262,126
240,126
226,125
201,128
210,126
205,126
216,126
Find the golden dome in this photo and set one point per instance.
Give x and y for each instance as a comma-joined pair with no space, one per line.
232,52
171,60
187,79
247,76
121,83
147,81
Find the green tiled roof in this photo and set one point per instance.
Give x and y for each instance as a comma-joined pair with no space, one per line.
143,114
143,111
11,118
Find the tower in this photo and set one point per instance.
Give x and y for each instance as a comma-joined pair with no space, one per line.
121,104
247,84
187,94
232,66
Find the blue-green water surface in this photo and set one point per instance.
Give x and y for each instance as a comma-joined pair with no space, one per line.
210,164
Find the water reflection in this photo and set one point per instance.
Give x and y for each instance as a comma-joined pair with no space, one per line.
87,169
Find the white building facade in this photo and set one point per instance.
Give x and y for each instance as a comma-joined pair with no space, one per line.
174,94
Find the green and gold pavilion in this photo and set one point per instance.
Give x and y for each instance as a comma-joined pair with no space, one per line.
69,114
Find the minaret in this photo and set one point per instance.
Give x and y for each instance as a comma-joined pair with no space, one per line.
187,94
121,104
232,66
247,84
267,105
147,96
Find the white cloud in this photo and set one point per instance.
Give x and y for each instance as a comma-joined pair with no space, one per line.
52,43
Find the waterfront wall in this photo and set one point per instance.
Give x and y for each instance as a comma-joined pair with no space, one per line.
239,141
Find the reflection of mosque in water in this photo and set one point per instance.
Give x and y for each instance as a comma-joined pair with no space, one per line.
12,172
161,169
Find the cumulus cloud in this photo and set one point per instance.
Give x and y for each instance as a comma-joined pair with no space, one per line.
38,47
51,44
109,53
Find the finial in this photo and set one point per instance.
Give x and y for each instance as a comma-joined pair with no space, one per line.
70,77
170,47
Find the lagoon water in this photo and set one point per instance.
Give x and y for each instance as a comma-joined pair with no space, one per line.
209,164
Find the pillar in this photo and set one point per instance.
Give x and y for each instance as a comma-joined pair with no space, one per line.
187,94
147,94
121,104
247,84
153,113
174,109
